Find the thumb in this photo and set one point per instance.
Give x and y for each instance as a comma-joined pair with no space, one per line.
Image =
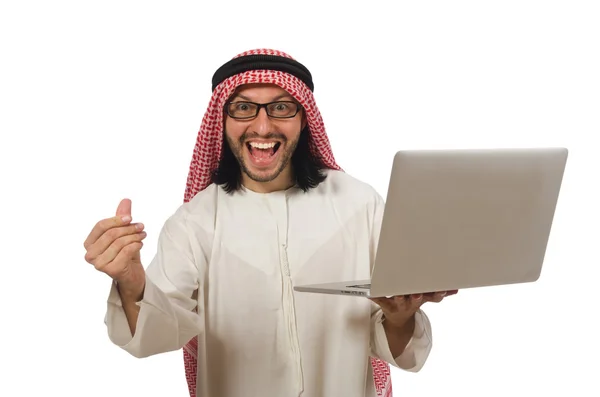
124,208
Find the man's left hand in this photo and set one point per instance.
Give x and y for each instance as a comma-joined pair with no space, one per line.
397,310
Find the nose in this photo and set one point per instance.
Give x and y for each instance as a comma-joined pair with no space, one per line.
262,124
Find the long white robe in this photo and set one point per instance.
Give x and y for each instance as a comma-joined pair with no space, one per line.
257,337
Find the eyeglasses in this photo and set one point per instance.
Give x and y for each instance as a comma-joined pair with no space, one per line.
248,110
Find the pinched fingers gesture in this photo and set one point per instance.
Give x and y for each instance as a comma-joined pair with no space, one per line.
113,246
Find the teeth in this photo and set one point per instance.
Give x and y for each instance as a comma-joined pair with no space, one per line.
259,145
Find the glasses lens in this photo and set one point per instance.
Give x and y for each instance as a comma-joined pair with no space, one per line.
282,109
242,110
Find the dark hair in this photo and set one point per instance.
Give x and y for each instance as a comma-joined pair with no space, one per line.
307,168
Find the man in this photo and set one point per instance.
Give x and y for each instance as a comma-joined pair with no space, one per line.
266,207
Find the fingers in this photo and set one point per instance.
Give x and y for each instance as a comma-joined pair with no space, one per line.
123,217
124,208
439,296
400,303
118,268
109,237
103,226
127,244
413,302
386,304
128,251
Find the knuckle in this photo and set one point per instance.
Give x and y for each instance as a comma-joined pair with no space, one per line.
113,233
136,245
131,248
135,238
100,226
119,243
125,242
98,264
106,225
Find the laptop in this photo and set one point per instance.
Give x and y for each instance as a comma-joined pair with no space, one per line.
458,219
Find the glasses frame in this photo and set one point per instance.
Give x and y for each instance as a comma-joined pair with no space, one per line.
260,106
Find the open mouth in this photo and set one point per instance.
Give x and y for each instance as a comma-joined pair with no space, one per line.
262,151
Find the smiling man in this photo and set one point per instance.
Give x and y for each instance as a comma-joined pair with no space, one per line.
266,207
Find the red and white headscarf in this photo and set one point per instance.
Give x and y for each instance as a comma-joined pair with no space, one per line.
207,153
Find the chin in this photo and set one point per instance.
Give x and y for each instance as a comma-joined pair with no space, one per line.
262,174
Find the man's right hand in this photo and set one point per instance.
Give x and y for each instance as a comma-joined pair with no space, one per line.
113,247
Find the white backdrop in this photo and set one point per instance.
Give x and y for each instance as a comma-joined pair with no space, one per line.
102,100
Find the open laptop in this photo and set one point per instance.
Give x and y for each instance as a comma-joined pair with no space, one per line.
457,219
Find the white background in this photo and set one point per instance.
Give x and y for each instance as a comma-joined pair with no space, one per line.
102,100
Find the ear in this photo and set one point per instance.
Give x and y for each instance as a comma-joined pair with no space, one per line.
304,120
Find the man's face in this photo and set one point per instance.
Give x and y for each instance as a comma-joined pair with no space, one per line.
263,145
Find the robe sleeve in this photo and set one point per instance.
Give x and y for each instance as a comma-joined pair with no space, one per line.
167,320
418,348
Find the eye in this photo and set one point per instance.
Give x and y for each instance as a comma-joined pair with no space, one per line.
282,109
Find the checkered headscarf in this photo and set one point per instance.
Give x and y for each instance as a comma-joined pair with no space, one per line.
266,66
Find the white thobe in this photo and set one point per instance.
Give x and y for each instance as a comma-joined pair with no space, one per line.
244,253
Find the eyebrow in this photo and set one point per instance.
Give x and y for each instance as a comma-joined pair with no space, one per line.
277,98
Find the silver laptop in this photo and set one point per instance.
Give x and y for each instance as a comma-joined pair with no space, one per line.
457,219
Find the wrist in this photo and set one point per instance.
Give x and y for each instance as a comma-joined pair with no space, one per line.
399,334
405,326
130,293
